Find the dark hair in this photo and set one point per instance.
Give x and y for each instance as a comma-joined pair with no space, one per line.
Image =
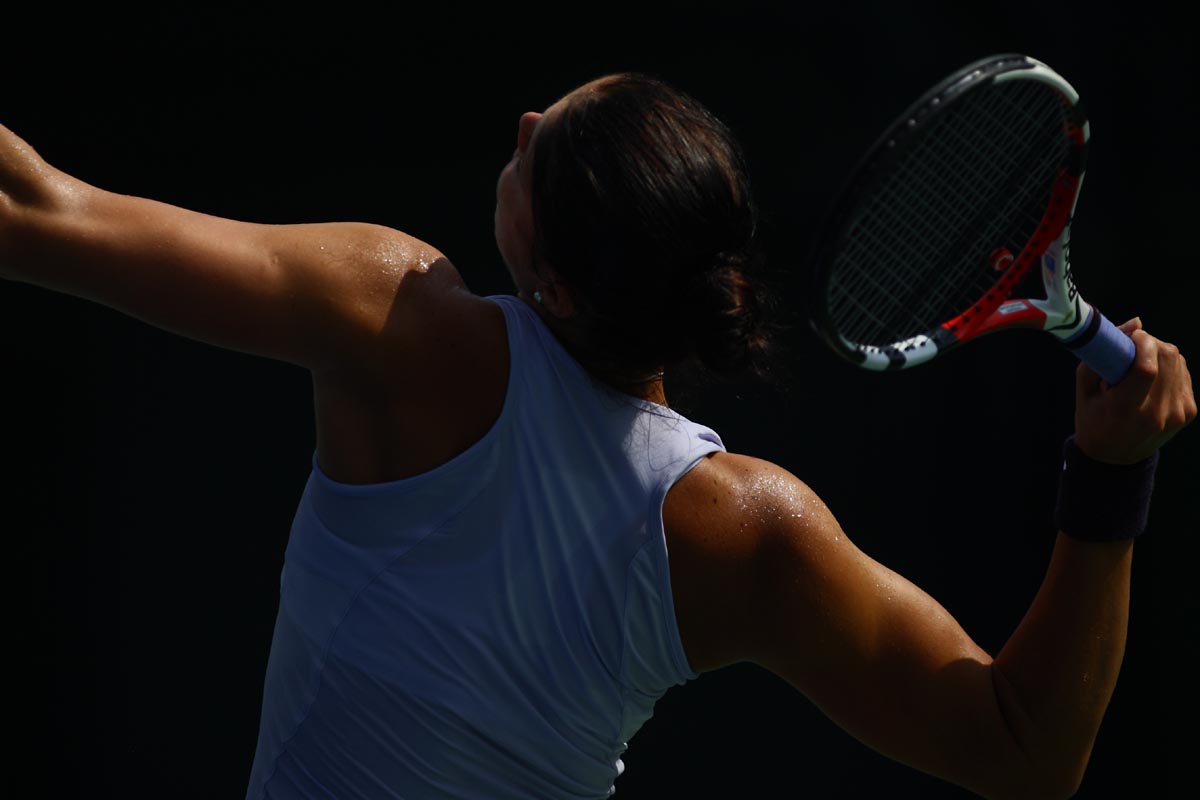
642,205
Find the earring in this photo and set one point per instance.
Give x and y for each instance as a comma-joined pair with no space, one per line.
538,297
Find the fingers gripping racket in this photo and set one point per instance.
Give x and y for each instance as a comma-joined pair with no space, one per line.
934,240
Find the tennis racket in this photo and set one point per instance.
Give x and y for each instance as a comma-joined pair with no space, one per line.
934,239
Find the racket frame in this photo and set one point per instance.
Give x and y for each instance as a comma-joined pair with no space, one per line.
1062,312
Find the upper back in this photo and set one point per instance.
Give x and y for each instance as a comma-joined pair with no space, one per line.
432,384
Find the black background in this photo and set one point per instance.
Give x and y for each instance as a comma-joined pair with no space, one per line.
152,479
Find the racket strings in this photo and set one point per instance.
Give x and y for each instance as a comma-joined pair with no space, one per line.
911,191
991,164
918,303
1039,164
977,179
921,192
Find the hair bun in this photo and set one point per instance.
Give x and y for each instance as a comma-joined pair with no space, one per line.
728,327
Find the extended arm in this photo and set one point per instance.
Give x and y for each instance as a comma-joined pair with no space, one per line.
314,295
782,586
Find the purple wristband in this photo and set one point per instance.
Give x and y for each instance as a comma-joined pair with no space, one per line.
1100,502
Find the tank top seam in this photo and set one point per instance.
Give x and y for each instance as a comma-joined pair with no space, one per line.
622,673
663,574
320,671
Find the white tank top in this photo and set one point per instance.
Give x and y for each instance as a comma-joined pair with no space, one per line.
498,627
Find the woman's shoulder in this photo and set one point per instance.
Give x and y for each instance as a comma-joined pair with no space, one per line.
725,485
423,320
726,523
428,384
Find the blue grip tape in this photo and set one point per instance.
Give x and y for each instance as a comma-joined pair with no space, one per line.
1104,348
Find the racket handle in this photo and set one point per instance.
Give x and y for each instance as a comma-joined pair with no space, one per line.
1103,347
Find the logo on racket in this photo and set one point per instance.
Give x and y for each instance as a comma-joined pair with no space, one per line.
1068,274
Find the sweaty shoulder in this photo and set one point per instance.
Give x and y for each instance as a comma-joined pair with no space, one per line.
725,522
413,299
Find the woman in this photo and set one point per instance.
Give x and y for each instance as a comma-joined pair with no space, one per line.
510,546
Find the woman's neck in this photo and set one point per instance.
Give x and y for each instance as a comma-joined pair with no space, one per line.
649,388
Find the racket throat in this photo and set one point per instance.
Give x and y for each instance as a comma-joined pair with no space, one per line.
1066,312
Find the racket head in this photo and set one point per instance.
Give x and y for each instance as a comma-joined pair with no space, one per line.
945,214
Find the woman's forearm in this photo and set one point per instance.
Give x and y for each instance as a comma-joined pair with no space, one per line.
1056,674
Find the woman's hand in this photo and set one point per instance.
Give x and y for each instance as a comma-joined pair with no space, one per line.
1126,423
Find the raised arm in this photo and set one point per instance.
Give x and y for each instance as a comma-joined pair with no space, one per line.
762,572
315,295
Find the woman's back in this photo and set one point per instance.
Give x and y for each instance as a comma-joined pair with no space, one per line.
501,624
